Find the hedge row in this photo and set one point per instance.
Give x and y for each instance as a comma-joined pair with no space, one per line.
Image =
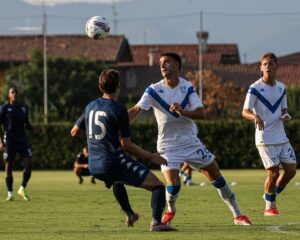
231,141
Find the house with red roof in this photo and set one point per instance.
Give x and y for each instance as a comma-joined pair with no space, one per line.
139,64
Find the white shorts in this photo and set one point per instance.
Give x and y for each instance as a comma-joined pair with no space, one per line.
196,156
272,156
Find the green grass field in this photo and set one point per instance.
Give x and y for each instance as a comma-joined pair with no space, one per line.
63,209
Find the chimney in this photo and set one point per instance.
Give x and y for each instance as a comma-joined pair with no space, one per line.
202,37
151,56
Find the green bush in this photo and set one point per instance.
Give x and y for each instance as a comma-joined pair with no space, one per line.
232,142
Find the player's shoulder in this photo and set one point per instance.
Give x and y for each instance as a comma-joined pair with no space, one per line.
157,85
23,107
257,84
280,84
183,81
4,106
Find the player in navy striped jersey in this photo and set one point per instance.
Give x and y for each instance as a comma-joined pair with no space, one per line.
108,136
266,105
14,118
176,104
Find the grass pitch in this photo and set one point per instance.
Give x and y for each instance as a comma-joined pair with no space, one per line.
63,209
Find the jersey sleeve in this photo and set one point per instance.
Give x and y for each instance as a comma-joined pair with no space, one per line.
284,104
195,101
250,100
146,101
2,114
27,123
123,123
80,122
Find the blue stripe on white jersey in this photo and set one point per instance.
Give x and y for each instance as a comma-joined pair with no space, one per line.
261,98
185,101
166,106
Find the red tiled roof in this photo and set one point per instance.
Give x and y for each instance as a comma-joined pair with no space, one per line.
16,48
189,53
245,74
289,59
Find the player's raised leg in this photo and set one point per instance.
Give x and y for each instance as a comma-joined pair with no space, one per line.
284,179
212,172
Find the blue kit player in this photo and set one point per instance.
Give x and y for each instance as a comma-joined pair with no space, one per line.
108,137
14,118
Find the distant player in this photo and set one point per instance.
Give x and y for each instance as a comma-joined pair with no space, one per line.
14,118
266,105
81,166
186,172
108,136
175,104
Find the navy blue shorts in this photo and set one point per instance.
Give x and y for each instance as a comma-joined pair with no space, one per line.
129,172
11,150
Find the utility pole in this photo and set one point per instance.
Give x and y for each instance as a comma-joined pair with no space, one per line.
115,23
200,57
45,64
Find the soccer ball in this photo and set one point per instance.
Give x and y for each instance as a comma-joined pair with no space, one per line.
97,27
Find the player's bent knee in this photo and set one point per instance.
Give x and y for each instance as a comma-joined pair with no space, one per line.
173,190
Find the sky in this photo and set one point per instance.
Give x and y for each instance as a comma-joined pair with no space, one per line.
256,26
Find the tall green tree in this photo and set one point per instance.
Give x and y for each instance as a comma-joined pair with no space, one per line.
72,83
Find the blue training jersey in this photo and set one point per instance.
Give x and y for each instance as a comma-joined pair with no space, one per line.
14,119
104,121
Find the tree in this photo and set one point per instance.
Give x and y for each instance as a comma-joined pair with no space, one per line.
72,83
293,98
222,99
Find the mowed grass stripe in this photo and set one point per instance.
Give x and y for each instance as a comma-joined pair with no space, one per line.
63,209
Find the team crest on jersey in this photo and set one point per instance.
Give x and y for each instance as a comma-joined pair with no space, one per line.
280,89
9,109
183,89
23,109
262,90
161,91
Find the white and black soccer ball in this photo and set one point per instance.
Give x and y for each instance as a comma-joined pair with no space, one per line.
97,27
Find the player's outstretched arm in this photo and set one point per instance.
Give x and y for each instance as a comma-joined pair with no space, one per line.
130,147
134,112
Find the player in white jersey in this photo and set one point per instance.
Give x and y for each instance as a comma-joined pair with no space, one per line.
266,105
176,103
